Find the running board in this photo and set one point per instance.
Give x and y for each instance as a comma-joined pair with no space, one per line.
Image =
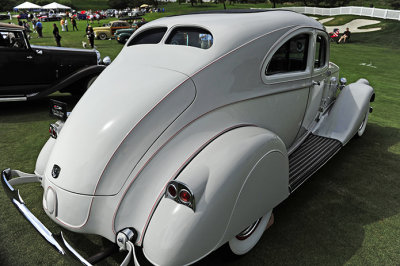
13,99
311,155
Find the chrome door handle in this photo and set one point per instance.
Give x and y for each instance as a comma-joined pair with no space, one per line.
29,57
314,83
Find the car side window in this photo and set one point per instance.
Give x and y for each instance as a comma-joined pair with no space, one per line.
12,39
191,36
151,36
290,57
320,52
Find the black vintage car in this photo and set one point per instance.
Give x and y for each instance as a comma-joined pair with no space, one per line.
31,71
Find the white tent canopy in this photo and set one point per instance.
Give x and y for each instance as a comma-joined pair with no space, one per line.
27,5
55,5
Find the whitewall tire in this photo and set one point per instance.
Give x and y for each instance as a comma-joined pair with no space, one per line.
248,238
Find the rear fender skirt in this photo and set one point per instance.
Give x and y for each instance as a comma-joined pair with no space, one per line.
222,177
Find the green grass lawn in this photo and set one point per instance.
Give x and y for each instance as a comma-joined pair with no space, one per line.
347,213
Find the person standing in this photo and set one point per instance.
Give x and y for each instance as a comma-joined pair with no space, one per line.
66,24
62,24
39,28
90,35
73,21
57,35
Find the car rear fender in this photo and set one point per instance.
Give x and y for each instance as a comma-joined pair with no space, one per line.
343,120
235,180
69,80
43,157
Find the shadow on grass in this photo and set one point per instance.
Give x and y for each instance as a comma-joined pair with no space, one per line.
29,111
321,223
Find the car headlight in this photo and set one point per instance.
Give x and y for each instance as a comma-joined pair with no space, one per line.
98,57
106,60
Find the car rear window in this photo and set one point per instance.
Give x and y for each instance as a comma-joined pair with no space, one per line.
191,36
151,36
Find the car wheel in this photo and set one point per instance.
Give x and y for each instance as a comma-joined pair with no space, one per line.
102,36
249,237
363,125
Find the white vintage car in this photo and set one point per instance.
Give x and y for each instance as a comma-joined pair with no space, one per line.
228,114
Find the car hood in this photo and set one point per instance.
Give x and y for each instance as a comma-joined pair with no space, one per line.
114,124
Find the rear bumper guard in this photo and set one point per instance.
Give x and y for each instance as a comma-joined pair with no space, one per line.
57,241
125,238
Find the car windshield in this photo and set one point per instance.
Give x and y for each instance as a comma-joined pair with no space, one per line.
191,36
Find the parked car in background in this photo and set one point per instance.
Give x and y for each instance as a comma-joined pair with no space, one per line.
110,12
4,16
123,35
202,125
33,71
107,31
135,13
22,16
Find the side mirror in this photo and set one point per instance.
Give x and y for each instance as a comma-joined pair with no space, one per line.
39,52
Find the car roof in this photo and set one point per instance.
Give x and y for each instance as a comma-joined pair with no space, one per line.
117,21
10,26
243,23
230,31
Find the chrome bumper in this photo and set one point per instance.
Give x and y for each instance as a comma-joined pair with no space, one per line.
57,241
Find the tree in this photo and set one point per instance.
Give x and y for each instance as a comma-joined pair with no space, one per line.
7,5
118,4
395,4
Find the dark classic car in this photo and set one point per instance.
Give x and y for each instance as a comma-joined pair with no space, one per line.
123,35
32,71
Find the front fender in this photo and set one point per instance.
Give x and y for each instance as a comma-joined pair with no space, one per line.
348,112
71,79
235,180
107,32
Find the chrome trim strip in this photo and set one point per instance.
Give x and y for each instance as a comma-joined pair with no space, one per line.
73,251
13,99
19,203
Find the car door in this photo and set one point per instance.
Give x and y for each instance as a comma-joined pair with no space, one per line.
17,67
287,77
316,104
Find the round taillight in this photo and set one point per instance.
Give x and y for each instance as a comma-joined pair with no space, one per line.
172,191
185,196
